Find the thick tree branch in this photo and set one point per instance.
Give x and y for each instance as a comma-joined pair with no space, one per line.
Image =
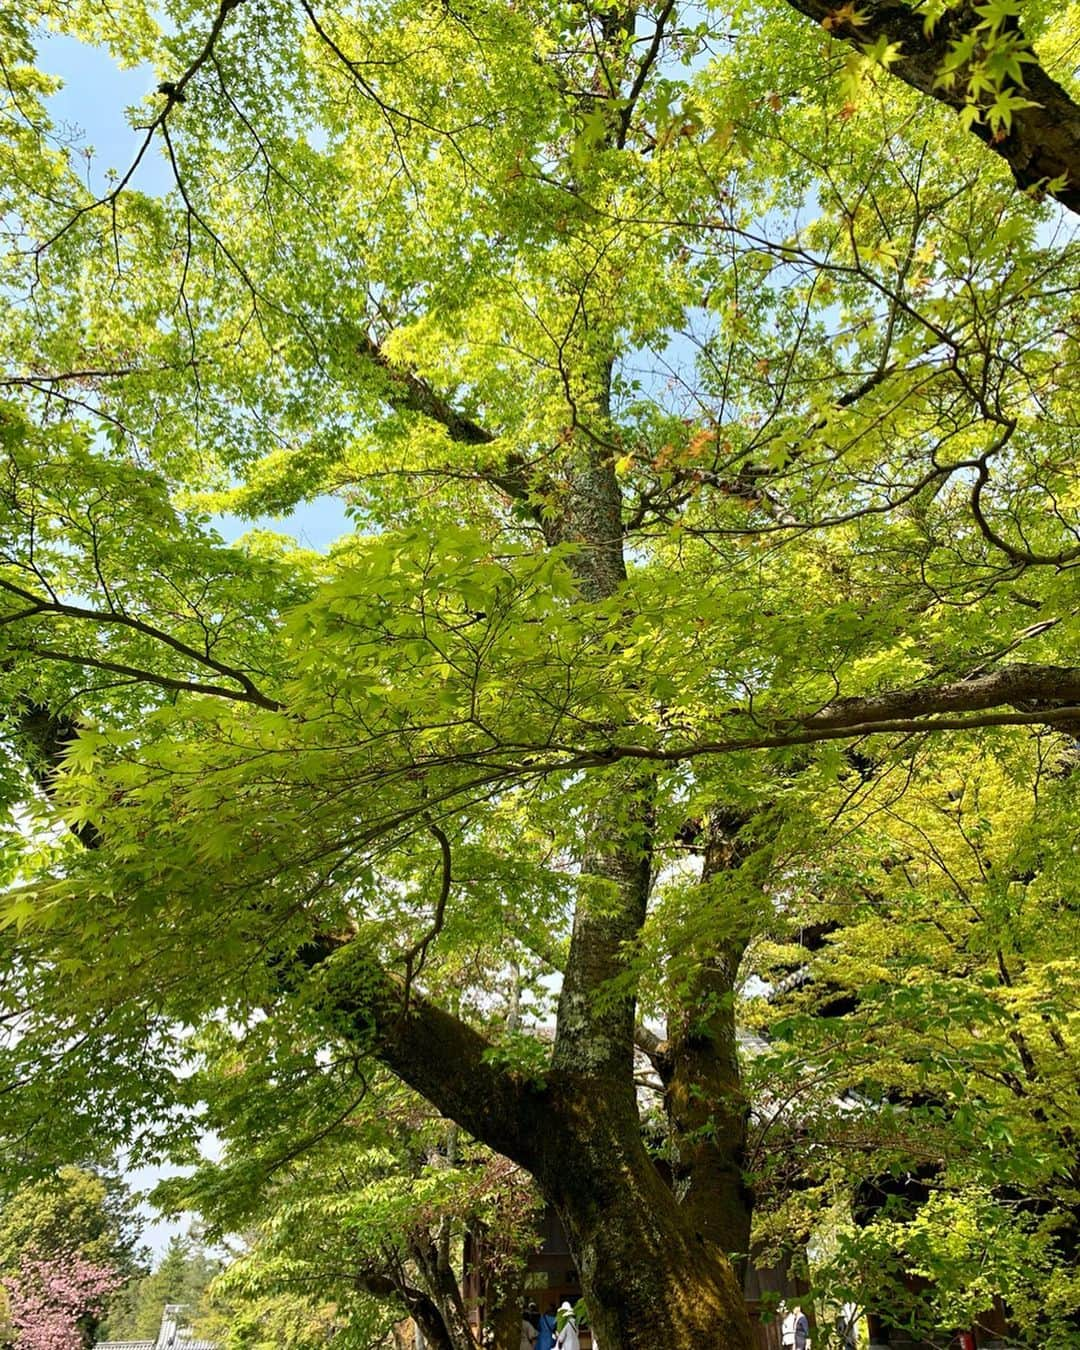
406,390
1043,142
439,1056
1022,685
420,1306
434,1052
1047,695
652,1046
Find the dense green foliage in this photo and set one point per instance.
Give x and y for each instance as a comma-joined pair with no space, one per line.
75,1211
703,395
953,959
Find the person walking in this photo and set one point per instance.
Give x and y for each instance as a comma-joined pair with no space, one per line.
787,1329
801,1328
566,1335
547,1329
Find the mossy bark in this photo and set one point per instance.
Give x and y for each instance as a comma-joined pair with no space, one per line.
706,1107
649,1277
650,1273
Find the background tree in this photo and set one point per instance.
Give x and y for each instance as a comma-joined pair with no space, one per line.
182,1275
704,397
54,1302
241,1319
74,1210
920,1064
67,1241
353,1195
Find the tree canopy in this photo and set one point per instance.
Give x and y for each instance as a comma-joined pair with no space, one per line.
700,383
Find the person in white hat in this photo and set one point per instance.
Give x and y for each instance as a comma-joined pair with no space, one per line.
566,1336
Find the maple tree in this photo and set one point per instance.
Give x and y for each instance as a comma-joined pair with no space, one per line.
702,389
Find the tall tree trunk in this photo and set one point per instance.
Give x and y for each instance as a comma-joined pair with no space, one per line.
654,1274
707,1110
650,1280
649,1277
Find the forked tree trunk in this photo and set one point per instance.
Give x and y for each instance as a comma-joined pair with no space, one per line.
649,1278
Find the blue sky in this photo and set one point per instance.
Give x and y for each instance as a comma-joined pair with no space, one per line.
94,97
95,94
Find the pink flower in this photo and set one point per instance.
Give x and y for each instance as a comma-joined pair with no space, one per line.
54,1297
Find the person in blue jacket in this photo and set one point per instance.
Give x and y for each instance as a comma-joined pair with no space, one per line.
547,1330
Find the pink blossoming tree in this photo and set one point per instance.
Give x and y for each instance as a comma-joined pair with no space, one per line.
52,1298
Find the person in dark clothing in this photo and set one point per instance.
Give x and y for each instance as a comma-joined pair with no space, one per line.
547,1330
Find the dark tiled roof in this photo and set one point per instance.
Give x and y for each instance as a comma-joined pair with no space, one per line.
182,1344
172,1336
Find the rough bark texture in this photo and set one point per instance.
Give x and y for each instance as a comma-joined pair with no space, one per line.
1046,695
595,1032
439,1056
649,1279
1020,684
1043,142
707,1111
421,1307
